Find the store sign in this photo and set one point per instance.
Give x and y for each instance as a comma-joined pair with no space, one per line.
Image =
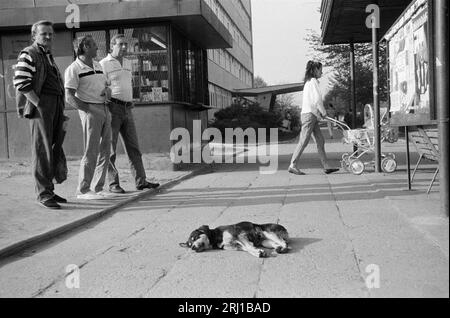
410,70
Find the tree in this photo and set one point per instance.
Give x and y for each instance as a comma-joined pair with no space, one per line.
259,82
284,104
250,116
285,101
337,57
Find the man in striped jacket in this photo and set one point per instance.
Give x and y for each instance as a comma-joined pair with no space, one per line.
40,98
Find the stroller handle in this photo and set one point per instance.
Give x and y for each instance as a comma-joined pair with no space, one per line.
337,122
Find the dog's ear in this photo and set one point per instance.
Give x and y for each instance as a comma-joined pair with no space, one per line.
184,245
204,228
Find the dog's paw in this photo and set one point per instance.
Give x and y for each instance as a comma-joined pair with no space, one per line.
282,250
262,253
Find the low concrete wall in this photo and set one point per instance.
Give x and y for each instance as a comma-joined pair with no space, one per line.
154,124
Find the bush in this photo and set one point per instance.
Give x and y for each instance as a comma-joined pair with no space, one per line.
239,116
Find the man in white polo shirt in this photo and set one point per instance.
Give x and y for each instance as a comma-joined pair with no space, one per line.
122,121
86,90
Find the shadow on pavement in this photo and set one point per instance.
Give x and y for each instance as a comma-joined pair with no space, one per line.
310,160
298,243
348,191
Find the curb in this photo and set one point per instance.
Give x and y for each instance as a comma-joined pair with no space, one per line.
20,246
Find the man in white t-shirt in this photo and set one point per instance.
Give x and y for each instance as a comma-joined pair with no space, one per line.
122,122
86,90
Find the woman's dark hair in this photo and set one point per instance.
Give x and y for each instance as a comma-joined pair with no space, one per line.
311,69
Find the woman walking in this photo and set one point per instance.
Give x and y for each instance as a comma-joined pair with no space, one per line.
312,112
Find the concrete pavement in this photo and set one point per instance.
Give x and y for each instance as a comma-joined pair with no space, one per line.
24,222
345,230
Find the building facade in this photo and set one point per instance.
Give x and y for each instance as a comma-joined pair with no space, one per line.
187,56
231,68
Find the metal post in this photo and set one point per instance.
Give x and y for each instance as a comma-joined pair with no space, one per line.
4,112
376,101
408,158
352,85
441,89
353,89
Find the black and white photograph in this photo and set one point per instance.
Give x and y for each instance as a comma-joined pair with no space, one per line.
228,156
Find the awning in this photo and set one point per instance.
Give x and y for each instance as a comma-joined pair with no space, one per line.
193,17
344,21
276,90
266,96
194,107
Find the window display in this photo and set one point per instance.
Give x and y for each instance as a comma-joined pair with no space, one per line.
147,58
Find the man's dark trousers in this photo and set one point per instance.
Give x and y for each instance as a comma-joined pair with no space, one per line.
46,136
122,122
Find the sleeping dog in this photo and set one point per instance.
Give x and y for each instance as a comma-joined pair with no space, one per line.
244,236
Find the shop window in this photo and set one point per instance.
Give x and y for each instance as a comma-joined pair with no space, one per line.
147,58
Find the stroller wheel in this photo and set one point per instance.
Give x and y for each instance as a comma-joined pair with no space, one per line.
388,165
391,155
345,162
357,167
345,165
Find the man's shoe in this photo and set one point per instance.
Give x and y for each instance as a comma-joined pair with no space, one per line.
59,199
294,170
116,189
148,185
107,194
50,204
90,196
331,170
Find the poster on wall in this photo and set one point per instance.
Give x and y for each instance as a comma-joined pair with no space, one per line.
421,62
409,68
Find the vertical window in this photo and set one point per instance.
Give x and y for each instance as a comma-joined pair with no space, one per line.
189,71
148,60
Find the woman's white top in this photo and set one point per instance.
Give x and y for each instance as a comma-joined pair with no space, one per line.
312,98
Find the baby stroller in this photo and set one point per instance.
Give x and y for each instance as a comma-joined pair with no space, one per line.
364,140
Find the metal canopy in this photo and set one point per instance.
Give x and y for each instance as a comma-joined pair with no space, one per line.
277,90
344,21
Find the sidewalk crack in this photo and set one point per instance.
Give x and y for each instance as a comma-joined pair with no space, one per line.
233,200
136,232
356,259
60,278
158,279
258,281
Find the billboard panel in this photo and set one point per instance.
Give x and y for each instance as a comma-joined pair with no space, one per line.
409,68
